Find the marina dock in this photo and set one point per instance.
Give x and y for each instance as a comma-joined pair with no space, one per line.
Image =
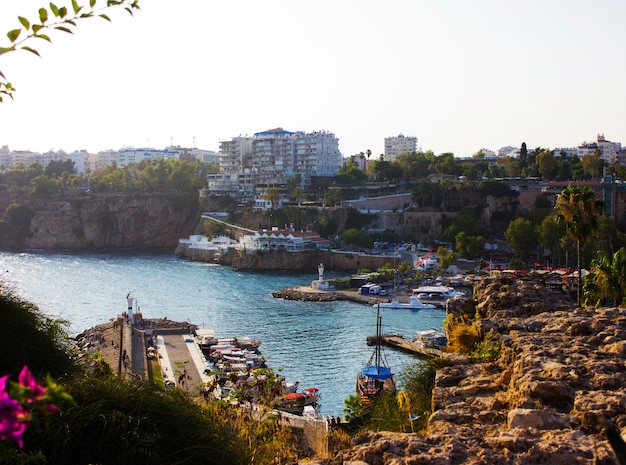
398,342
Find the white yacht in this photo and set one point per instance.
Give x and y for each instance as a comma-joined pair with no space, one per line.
436,295
412,304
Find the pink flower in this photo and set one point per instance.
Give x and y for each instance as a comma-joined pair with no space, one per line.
27,380
52,409
13,418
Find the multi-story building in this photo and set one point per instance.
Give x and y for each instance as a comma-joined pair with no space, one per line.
270,158
5,158
398,145
509,151
235,155
608,150
317,154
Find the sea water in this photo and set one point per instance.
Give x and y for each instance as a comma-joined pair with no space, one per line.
320,344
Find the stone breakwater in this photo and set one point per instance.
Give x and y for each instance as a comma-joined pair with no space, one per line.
308,294
559,380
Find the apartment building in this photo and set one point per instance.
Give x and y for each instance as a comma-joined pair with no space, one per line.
270,158
398,145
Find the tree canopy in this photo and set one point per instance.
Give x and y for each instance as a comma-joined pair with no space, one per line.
54,18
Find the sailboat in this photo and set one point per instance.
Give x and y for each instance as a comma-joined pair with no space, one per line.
376,376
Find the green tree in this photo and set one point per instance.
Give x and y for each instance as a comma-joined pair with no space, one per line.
465,221
592,165
54,19
415,165
469,247
521,237
609,275
547,164
523,156
495,188
43,186
56,168
446,258
297,194
353,236
327,226
550,232
511,165
333,197
444,164
579,210
21,176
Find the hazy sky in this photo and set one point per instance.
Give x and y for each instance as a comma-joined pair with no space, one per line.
459,75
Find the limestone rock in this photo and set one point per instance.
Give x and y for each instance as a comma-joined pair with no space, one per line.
559,381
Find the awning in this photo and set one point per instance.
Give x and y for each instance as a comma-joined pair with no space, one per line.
377,372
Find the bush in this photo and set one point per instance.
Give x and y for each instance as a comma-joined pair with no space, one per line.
462,336
486,350
117,421
27,337
418,381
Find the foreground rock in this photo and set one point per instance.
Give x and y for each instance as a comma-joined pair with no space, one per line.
559,381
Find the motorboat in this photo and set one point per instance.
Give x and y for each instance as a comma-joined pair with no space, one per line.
432,339
413,304
436,295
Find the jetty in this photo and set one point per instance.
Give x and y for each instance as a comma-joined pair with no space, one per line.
309,294
398,342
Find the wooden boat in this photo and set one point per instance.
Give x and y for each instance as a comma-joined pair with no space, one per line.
375,377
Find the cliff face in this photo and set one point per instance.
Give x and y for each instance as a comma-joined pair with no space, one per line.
269,260
125,221
558,383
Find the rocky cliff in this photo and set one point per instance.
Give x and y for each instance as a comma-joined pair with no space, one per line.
557,385
112,222
275,260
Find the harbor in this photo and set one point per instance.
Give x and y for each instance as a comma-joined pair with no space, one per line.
304,339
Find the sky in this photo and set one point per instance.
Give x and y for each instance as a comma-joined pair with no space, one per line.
460,75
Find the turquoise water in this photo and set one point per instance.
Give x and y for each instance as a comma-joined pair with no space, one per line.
321,344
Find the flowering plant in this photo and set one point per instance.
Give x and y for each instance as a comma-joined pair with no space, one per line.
26,402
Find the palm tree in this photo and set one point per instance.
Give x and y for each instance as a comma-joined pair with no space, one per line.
609,275
579,210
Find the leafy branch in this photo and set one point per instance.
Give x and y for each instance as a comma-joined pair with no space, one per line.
54,18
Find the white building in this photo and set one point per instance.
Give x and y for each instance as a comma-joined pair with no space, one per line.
568,152
488,154
205,156
398,145
608,149
236,155
509,151
270,158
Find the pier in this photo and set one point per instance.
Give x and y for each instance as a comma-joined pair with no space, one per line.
398,342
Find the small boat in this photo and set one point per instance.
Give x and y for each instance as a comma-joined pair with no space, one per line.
375,377
293,403
432,339
311,396
246,342
208,341
206,338
413,304
297,402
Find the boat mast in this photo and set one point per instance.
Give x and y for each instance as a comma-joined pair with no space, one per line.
378,336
